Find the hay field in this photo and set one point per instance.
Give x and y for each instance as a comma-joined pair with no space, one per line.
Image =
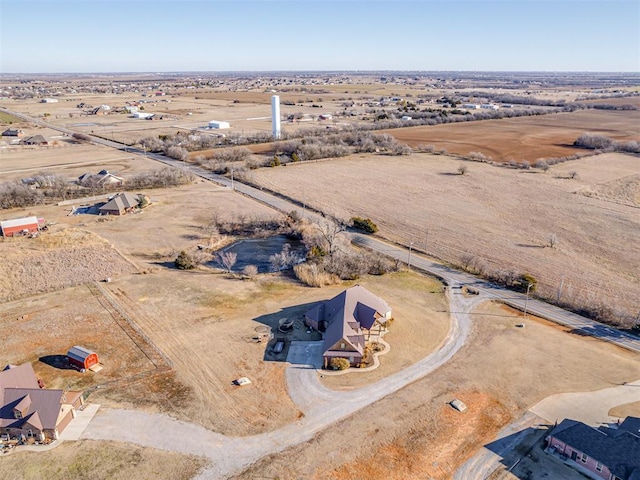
55,260
524,139
414,433
501,217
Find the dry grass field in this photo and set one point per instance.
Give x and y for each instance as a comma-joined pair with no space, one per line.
48,325
70,160
100,461
413,433
500,217
206,325
177,220
55,260
524,139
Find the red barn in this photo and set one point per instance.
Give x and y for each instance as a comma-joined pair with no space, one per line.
82,358
19,226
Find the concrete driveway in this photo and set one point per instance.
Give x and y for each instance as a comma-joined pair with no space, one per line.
591,408
306,353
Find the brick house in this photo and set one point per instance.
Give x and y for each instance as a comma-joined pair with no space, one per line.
607,454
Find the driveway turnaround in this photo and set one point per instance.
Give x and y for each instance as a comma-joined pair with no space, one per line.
591,408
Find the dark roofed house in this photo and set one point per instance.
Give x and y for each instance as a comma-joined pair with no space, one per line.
346,321
120,204
610,454
30,411
13,132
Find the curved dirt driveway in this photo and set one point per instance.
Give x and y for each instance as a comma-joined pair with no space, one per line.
321,406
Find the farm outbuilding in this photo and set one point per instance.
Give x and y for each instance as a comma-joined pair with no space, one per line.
218,125
82,358
21,226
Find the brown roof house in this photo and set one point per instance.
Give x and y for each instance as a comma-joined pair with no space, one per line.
120,204
26,410
346,321
34,140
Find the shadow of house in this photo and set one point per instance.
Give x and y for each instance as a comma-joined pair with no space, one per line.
511,448
298,332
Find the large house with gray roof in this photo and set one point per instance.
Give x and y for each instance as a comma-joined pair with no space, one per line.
29,411
605,453
347,321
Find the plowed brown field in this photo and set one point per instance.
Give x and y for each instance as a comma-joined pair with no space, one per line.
524,138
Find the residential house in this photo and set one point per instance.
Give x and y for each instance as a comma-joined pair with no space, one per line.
13,132
34,140
347,321
103,178
607,454
120,204
28,410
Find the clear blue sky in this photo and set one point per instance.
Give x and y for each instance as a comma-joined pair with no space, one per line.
208,35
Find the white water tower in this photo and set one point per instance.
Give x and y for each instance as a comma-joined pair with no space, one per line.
275,116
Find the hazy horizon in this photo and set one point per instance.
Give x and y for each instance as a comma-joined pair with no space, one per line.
169,36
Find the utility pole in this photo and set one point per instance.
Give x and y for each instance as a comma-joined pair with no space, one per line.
526,299
409,259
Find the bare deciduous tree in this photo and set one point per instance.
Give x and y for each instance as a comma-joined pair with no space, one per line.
463,169
328,233
552,240
226,260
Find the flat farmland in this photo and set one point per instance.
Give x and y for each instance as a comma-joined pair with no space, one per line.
524,139
70,160
499,217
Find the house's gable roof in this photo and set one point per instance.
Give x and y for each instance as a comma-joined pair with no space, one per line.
33,139
620,452
631,425
120,202
346,314
21,376
46,403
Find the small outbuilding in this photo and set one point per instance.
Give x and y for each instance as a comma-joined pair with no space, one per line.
218,125
82,358
21,226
